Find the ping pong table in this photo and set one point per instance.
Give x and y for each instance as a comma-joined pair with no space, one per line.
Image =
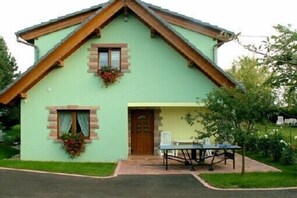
189,154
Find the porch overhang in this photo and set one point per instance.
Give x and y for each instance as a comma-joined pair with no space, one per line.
165,104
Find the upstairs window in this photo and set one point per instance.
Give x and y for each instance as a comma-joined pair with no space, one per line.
74,121
108,54
110,57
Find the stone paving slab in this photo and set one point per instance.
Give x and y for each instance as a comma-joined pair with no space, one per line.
149,164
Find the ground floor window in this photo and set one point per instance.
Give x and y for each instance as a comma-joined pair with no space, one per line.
74,121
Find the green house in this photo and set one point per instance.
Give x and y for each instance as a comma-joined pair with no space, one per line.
166,60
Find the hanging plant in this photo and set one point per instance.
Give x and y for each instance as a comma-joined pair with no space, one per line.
109,75
73,144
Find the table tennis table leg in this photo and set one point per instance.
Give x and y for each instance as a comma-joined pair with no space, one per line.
210,168
194,158
233,153
225,156
166,159
163,156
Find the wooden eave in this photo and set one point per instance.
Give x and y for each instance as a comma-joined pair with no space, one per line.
89,27
187,24
55,26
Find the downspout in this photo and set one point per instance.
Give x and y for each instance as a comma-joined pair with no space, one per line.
226,37
37,51
215,51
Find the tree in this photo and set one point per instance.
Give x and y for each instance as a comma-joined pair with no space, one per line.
8,66
247,71
279,55
232,114
8,72
252,75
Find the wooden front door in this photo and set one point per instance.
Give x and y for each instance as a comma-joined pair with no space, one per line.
142,132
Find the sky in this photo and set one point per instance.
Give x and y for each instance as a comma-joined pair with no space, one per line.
253,19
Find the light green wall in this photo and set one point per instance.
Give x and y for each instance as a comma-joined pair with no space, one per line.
48,41
158,74
202,42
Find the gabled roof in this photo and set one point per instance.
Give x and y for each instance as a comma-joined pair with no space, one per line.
75,18
90,26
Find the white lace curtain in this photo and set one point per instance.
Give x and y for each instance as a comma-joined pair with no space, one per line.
65,122
83,120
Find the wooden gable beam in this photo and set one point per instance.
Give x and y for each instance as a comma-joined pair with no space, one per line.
97,32
191,63
126,12
154,33
59,63
180,45
61,52
22,95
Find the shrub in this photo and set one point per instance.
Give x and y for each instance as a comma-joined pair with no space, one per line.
253,143
289,156
13,135
272,144
6,151
10,116
264,145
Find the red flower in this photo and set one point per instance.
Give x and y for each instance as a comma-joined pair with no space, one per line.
73,145
109,75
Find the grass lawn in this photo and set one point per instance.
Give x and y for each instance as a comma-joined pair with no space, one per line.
251,180
91,169
286,178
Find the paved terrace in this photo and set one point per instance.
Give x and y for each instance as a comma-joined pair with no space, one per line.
148,165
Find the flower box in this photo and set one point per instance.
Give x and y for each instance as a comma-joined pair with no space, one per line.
109,75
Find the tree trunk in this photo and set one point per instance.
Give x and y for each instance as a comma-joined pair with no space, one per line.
243,161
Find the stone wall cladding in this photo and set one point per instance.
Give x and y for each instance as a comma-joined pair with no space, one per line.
157,132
